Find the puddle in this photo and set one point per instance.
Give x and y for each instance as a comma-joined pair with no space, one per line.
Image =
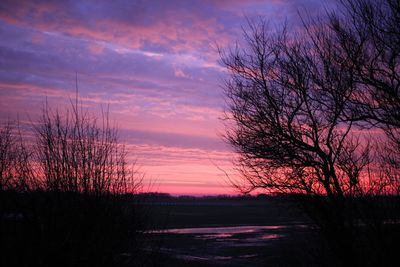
234,245
220,230
213,236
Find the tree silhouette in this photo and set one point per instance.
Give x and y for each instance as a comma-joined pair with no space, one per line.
16,169
368,36
299,105
289,112
77,153
65,190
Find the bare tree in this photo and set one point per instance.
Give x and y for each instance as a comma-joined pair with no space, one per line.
75,152
287,101
7,156
16,172
297,125
368,35
81,171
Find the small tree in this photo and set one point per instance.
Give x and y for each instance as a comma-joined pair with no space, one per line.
77,153
81,172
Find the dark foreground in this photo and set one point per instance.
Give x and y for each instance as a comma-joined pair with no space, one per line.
69,229
237,246
266,231
263,231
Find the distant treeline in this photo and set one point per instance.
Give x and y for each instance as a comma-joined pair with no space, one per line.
167,196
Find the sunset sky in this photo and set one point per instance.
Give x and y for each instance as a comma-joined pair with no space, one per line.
156,64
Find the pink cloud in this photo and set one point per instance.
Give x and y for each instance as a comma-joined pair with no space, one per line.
96,48
177,30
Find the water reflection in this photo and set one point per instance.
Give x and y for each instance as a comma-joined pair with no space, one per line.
271,236
238,245
223,230
213,236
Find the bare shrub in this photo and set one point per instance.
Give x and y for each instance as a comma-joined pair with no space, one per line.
16,171
77,153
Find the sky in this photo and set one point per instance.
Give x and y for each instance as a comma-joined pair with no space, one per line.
155,63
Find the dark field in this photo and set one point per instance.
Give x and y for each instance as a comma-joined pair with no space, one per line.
260,231
222,211
64,229
230,232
